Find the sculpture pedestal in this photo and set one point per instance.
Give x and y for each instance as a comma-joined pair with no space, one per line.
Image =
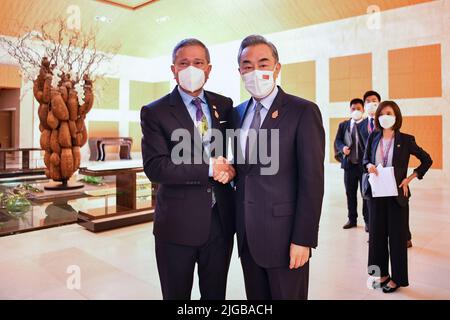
63,185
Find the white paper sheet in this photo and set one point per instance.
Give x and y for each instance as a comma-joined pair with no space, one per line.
383,185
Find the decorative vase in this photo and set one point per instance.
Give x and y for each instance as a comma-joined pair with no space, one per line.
2,201
17,205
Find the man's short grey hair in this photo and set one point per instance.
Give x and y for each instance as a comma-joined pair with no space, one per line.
254,40
190,42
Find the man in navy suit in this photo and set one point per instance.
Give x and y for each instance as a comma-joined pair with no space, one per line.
278,211
194,214
349,146
371,101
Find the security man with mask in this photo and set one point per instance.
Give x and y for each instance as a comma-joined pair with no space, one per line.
349,148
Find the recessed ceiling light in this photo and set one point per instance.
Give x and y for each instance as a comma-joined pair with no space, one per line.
103,19
162,19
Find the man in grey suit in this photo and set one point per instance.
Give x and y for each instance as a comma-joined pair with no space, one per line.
277,214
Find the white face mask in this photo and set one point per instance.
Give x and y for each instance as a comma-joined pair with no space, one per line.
386,121
371,107
357,115
191,79
259,83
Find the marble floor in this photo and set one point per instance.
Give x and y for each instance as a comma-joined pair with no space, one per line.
120,264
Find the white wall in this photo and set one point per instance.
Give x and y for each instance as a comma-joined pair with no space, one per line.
411,26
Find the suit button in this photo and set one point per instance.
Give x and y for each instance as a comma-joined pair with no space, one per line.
208,190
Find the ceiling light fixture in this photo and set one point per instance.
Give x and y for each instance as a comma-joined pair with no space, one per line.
103,19
163,19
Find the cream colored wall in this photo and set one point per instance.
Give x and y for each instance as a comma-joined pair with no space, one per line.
412,26
401,28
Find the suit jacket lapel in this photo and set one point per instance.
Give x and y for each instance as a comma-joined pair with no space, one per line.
213,110
243,113
275,113
359,129
397,145
180,112
240,148
362,129
376,141
348,138
215,119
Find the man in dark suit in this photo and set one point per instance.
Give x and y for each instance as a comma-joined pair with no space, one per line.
194,214
349,146
278,213
371,101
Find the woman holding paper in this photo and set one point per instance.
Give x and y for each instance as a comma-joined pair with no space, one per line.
388,225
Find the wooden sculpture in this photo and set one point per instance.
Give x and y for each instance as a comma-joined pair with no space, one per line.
61,62
62,122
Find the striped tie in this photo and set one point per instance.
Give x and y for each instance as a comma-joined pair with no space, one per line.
254,125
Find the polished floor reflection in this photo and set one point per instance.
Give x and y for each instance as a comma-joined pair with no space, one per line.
120,264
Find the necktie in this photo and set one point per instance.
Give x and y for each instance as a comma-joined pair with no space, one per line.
371,125
202,128
354,154
254,126
200,117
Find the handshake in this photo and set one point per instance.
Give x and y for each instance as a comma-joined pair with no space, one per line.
223,170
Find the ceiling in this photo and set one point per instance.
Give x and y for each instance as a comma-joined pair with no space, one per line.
152,30
129,4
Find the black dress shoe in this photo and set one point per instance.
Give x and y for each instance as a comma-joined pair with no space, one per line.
367,228
377,284
387,289
349,225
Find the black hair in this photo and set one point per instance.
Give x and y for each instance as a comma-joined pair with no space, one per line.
190,42
254,40
372,93
357,100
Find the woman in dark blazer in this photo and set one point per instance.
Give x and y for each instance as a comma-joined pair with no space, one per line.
388,225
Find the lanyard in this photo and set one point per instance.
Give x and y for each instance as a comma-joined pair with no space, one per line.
385,153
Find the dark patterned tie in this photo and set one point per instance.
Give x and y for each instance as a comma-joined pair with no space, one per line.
200,117
371,125
254,125
202,128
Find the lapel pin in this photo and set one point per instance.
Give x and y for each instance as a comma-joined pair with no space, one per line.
216,114
275,114
398,146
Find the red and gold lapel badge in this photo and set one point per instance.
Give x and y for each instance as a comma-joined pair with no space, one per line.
275,114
